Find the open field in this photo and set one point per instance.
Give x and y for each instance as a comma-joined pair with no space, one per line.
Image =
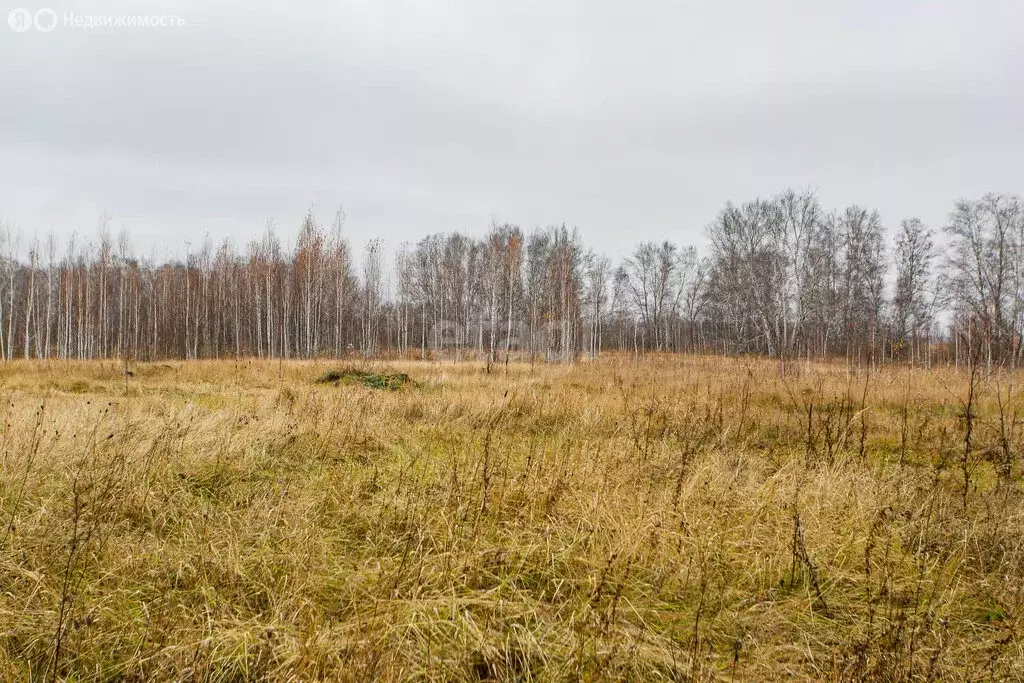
680,518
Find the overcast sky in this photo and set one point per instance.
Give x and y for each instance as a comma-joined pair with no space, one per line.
630,120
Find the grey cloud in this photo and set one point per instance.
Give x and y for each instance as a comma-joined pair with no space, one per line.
632,121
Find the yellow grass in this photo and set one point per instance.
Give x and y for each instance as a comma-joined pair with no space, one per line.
680,518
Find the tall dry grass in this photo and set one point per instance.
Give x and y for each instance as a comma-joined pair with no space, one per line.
676,519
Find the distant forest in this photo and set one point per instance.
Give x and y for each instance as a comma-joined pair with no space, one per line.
783,277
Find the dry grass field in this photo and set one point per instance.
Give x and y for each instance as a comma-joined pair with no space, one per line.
679,518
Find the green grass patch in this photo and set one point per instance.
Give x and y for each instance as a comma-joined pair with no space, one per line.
389,381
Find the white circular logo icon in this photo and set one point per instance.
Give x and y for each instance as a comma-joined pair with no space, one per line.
20,20
45,20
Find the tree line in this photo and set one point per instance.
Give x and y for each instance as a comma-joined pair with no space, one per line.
783,277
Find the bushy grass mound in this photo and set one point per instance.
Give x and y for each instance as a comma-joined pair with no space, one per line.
374,380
